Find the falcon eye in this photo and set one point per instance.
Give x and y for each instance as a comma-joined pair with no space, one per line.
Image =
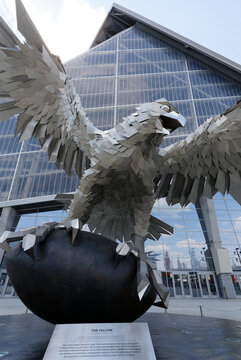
165,107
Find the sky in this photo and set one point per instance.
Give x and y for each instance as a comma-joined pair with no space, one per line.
69,26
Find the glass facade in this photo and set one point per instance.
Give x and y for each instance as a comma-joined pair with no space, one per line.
184,250
134,67
25,171
112,79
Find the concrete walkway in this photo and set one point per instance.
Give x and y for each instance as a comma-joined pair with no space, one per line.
11,306
217,308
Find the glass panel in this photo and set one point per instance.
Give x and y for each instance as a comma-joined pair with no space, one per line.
212,285
3,278
237,284
37,176
166,276
232,204
8,165
193,225
225,226
8,143
9,288
213,107
204,285
177,283
150,61
39,218
185,284
102,118
107,45
31,145
149,87
195,284
138,39
234,214
229,238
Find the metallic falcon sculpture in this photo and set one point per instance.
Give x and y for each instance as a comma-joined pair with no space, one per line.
128,171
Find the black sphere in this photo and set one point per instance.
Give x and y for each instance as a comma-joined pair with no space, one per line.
87,282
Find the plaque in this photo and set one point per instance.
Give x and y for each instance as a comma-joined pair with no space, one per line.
100,341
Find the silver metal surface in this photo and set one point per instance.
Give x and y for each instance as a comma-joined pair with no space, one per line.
127,173
98,341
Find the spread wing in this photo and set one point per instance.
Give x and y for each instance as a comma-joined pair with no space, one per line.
207,161
33,84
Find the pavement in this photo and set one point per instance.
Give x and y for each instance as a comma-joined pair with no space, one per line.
215,308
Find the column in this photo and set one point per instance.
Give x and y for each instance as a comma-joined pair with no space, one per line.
6,223
217,257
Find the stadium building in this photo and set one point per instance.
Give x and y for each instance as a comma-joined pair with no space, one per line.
134,60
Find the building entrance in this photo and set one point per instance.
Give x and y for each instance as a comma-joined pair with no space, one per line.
188,284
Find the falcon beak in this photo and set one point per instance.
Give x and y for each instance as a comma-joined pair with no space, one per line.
172,120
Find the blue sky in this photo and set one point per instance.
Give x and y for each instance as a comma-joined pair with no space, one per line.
69,26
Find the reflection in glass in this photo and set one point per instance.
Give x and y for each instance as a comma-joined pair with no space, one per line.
237,284
195,284
212,285
177,283
3,278
39,218
204,285
185,283
9,288
168,282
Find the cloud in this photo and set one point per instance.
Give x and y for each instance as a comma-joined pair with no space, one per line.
164,211
192,244
237,224
178,226
67,27
179,254
157,248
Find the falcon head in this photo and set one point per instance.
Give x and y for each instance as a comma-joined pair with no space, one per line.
160,117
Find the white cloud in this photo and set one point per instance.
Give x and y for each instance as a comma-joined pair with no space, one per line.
237,224
192,243
178,226
157,248
178,254
67,27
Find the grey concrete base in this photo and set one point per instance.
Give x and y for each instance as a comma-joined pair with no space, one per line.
215,308
7,219
174,337
227,287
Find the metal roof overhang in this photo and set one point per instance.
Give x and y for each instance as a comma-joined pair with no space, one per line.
119,18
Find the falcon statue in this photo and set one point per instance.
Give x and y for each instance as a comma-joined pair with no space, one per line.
127,169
